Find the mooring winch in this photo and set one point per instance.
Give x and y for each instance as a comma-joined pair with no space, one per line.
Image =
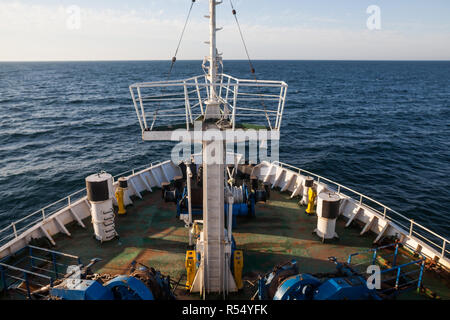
348,282
285,283
44,274
142,283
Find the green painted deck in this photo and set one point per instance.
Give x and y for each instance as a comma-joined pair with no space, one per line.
151,234
183,126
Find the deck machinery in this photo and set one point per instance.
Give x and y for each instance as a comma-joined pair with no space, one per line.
218,99
350,281
43,274
217,112
188,195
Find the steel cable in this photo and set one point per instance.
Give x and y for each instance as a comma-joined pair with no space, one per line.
252,69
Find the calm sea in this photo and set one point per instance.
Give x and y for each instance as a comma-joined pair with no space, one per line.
381,128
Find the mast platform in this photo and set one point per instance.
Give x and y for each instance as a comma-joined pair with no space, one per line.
168,110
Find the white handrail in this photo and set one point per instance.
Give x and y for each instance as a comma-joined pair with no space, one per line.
173,92
385,208
16,232
41,214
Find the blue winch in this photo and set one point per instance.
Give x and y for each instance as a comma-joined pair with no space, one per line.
246,207
143,283
284,283
347,282
246,194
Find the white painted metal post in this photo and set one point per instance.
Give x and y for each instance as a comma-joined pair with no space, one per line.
233,117
279,114
221,85
142,107
199,96
186,105
230,217
282,108
136,108
228,89
208,95
15,231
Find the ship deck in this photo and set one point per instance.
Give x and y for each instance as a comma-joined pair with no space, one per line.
150,233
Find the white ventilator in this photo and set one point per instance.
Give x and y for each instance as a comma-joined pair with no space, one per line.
99,189
327,213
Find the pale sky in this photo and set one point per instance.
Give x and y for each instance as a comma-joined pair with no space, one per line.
36,30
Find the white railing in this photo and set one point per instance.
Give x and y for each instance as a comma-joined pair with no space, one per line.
182,101
414,228
16,228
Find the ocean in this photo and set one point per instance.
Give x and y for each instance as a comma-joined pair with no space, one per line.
381,128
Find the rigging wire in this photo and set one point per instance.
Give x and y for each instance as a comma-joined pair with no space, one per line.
174,58
252,69
233,10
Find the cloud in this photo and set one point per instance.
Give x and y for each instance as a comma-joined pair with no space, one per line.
335,43
31,32
38,32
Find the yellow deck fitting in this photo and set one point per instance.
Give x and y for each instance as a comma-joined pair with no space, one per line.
119,197
191,267
238,266
196,230
312,194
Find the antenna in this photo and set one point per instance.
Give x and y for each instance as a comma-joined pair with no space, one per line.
212,48
212,105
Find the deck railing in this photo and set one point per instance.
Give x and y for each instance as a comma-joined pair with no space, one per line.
414,228
392,271
16,228
162,103
33,267
430,237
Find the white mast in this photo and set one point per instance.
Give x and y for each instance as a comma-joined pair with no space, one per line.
214,275
212,105
212,48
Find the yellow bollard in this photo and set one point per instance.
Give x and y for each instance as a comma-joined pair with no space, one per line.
191,267
238,266
196,230
312,194
119,197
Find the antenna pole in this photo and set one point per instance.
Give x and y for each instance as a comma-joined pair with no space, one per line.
212,48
